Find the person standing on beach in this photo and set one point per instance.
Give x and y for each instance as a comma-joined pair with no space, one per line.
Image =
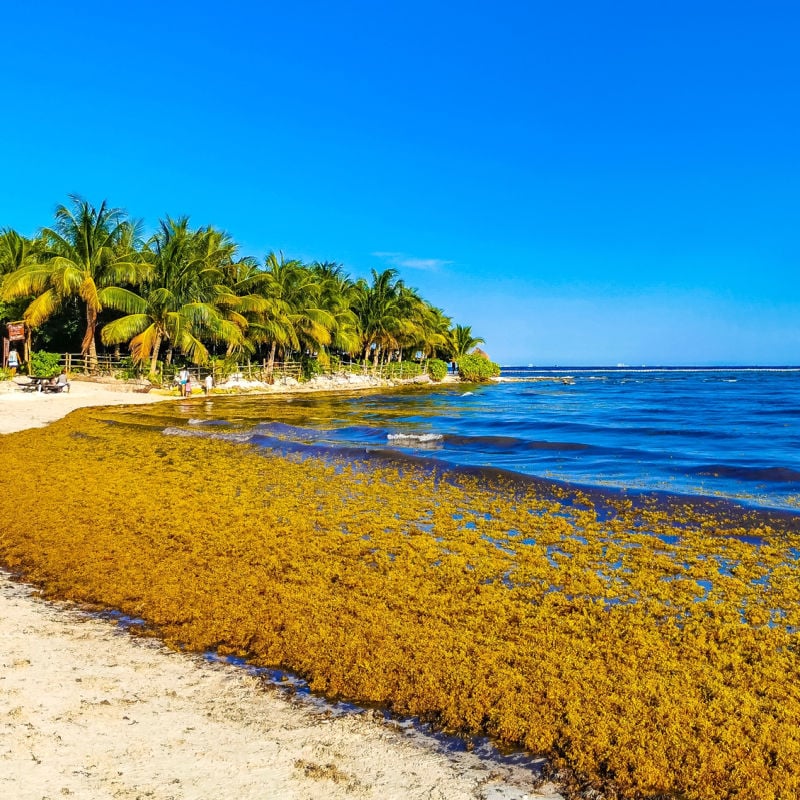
209,383
184,382
13,362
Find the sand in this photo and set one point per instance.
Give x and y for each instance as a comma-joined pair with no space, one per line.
20,410
89,711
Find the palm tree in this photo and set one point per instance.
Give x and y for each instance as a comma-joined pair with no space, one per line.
266,316
90,253
337,294
300,318
186,299
15,251
433,327
379,311
461,341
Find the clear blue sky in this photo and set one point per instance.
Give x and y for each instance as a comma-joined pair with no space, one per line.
582,182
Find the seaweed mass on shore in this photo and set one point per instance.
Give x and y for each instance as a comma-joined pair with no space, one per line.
650,651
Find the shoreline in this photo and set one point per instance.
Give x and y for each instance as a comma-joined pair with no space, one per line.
20,410
93,711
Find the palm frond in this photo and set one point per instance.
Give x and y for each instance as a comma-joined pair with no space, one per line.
27,280
141,346
42,308
122,300
125,329
89,295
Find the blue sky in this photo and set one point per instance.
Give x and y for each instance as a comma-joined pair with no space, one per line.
583,183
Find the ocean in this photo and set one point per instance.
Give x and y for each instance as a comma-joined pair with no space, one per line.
731,433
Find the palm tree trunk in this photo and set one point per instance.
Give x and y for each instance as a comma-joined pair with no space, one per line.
154,356
271,364
89,345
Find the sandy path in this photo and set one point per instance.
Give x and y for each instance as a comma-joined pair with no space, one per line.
88,711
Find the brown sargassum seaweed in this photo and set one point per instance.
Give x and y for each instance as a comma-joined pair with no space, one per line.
653,653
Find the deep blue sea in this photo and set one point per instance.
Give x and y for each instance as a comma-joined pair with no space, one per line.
723,433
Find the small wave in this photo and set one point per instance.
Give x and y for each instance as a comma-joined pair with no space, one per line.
468,394
414,437
227,437
195,421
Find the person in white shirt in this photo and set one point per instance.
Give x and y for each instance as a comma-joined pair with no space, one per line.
13,362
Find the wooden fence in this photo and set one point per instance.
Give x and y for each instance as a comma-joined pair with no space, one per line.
77,363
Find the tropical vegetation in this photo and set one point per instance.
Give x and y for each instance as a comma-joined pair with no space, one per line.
476,368
437,369
93,281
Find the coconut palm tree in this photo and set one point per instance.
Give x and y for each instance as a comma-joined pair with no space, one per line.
15,251
380,312
337,294
433,326
295,291
461,341
266,315
90,253
186,299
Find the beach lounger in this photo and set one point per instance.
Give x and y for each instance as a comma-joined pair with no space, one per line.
56,387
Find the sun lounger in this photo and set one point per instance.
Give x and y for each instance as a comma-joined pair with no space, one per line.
32,384
56,387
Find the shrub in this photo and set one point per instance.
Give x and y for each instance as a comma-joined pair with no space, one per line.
310,367
477,369
222,367
44,364
437,369
129,369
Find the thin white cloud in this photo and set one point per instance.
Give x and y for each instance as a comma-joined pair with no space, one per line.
402,260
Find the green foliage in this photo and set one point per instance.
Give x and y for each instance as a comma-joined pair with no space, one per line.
310,367
477,369
462,341
437,369
61,332
188,292
5,374
130,369
222,367
90,255
44,364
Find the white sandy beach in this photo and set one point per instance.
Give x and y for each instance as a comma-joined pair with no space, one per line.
88,711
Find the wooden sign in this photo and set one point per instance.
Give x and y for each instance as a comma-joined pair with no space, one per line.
16,331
